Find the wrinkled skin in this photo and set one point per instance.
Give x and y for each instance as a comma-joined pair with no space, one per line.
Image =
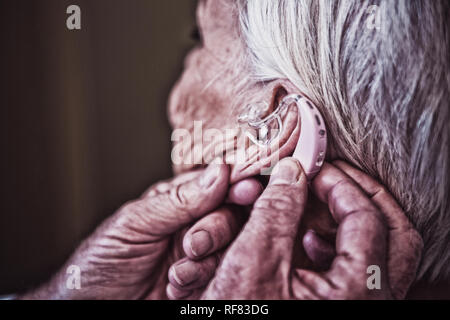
210,90
128,256
372,230
183,241
202,94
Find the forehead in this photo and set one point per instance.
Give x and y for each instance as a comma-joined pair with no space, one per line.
218,16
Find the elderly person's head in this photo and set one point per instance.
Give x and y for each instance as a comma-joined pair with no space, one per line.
377,70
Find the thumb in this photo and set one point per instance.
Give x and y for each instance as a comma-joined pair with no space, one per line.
262,252
171,205
277,212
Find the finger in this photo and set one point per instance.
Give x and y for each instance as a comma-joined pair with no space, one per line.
279,209
196,294
276,214
362,232
166,185
188,275
263,250
318,250
309,285
379,195
212,233
245,192
176,294
182,204
405,243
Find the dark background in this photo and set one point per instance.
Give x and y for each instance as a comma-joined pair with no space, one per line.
83,120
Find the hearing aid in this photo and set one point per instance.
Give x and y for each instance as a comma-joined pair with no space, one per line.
312,143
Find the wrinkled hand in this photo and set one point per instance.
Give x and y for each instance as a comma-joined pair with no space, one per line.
128,256
372,230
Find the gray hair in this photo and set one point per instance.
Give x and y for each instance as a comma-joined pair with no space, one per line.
383,91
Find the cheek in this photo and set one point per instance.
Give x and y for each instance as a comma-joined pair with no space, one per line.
201,94
204,98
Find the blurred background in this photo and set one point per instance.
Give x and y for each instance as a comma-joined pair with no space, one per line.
83,120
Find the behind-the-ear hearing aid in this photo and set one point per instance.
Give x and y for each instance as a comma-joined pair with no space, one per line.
312,143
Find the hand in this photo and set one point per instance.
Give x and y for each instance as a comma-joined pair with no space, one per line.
372,231
128,256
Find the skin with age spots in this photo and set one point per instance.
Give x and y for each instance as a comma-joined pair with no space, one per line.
372,230
220,53
210,89
129,254
214,88
207,233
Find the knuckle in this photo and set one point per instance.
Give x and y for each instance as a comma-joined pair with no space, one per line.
280,203
161,186
218,220
416,240
220,226
189,198
182,200
416,244
382,191
178,197
359,217
342,185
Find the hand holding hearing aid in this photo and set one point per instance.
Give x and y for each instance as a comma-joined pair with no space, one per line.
373,234
258,264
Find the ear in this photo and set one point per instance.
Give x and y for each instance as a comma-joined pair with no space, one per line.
259,159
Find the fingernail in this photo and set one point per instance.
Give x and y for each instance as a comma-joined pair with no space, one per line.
201,243
286,172
178,294
210,175
185,273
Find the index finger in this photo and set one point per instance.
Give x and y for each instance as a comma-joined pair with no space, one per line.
362,232
405,243
396,219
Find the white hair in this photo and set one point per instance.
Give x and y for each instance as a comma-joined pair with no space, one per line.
383,90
